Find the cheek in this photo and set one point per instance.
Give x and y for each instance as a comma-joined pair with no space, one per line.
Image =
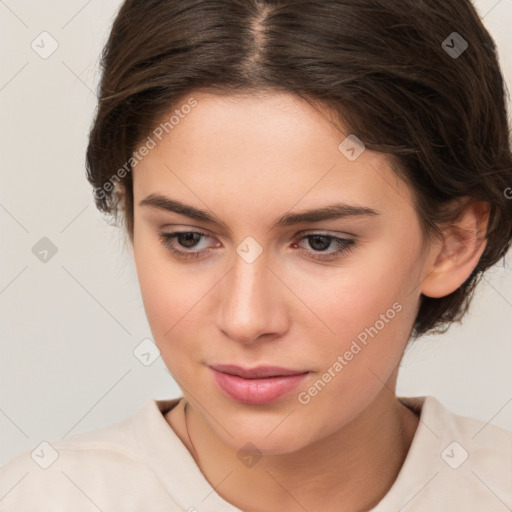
169,299
367,322
369,310
162,291
354,296
169,308
372,323
174,300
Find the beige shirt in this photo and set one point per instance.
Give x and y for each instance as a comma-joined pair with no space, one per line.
139,464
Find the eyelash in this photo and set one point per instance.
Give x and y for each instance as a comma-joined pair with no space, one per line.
346,245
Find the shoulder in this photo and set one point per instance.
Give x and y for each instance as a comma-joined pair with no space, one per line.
480,439
94,470
455,462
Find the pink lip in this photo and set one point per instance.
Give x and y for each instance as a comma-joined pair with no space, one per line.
256,386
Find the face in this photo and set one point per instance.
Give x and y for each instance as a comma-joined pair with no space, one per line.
251,283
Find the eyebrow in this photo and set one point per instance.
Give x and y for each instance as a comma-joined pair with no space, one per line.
330,212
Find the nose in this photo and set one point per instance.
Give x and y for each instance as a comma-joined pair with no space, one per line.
252,302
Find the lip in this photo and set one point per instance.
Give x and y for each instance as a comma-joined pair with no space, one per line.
256,386
259,372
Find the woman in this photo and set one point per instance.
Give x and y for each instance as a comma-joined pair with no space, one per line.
307,187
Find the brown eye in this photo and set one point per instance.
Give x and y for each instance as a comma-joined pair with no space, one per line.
188,239
185,240
319,244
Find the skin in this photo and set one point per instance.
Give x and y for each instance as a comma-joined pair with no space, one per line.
248,160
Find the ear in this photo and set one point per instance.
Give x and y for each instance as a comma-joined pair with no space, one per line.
456,256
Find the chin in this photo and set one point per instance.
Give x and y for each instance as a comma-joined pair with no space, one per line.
266,436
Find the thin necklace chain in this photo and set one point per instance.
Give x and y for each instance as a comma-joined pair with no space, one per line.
188,434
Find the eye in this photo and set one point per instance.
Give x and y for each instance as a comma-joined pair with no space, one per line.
321,242
318,241
186,240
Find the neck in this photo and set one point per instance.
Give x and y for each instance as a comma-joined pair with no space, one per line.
331,474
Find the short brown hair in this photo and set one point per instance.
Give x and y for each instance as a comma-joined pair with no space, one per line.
418,80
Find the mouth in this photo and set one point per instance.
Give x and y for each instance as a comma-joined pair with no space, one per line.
260,372
256,386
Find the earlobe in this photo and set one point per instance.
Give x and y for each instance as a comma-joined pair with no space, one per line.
458,255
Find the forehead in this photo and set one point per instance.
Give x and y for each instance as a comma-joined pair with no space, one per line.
253,122
271,148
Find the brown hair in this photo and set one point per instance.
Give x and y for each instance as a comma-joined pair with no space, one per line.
392,71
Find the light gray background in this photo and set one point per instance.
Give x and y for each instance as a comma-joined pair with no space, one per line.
68,327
